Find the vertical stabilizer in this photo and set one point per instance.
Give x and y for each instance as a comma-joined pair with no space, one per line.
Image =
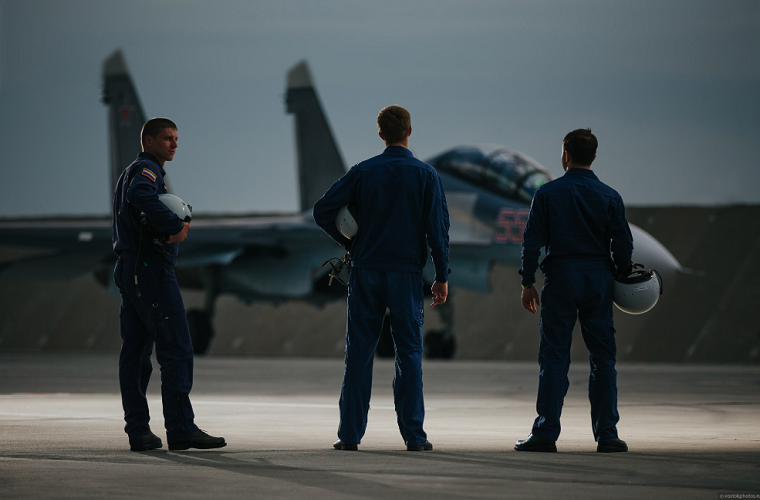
125,114
319,161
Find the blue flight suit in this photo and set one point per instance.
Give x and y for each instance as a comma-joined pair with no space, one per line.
400,210
151,305
579,220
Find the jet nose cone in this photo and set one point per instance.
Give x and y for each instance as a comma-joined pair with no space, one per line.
653,255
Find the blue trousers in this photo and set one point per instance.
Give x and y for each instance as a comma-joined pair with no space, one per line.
587,296
157,317
369,293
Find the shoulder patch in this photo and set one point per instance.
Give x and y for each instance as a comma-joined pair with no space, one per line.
150,175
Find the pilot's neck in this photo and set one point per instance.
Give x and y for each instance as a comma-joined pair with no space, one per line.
155,158
572,165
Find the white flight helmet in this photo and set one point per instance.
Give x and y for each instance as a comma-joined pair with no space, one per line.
638,291
346,224
176,205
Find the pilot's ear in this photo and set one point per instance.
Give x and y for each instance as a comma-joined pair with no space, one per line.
410,131
381,136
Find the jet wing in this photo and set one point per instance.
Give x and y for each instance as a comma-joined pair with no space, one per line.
57,234
270,231
71,247
78,246
221,240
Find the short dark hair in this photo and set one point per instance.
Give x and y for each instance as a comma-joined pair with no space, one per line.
155,125
394,123
581,144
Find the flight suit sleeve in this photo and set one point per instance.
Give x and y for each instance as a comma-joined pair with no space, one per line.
437,228
142,193
338,196
534,237
620,234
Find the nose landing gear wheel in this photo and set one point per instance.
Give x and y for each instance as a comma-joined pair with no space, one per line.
438,345
385,348
201,330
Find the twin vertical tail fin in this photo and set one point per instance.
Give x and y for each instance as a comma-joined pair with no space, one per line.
319,161
125,114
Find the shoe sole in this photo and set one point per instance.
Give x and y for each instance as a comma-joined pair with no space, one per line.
418,448
183,447
347,447
145,447
539,449
609,449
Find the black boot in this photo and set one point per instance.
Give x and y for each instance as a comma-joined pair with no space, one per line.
423,447
144,442
340,445
534,443
612,446
198,439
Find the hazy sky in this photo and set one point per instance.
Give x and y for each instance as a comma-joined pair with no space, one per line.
671,88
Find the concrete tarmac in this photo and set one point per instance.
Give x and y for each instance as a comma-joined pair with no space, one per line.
692,431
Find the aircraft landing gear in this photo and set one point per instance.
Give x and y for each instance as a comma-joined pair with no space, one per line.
438,344
441,344
200,320
385,348
201,330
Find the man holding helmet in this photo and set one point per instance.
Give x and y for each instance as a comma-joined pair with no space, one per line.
579,220
400,208
145,237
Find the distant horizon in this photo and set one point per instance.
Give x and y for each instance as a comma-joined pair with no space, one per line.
217,215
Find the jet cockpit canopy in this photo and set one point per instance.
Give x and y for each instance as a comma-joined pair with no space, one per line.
500,170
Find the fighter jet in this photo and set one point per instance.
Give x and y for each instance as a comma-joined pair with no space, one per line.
281,258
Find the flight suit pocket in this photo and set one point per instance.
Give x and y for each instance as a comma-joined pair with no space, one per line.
419,316
149,276
172,328
419,304
148,292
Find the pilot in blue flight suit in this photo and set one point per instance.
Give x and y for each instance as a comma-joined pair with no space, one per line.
579,220
151,305
400,210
